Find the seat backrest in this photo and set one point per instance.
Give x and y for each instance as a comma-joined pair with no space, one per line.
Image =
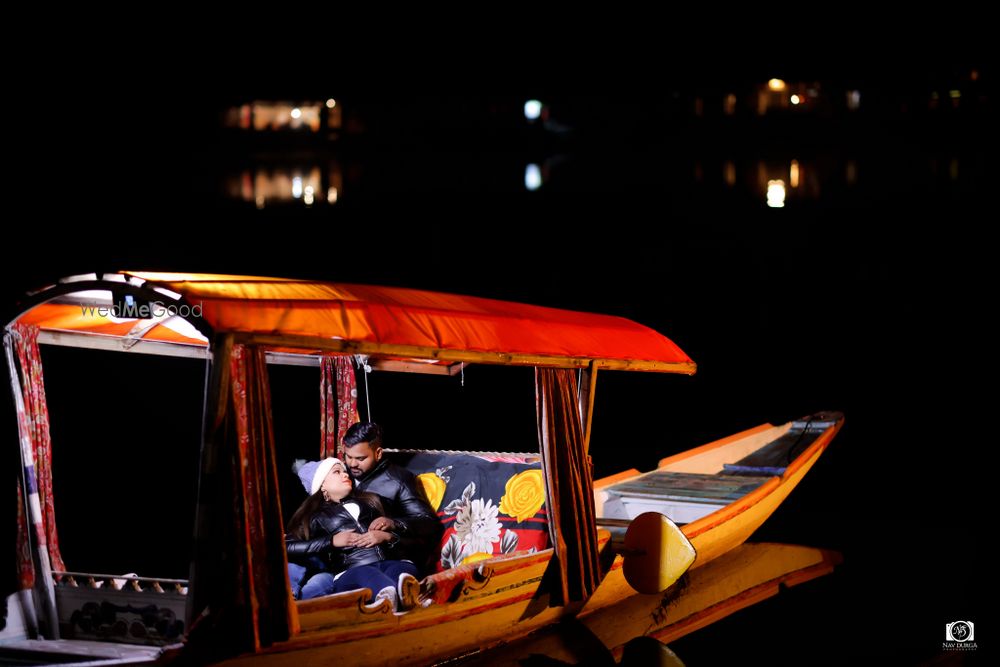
488,505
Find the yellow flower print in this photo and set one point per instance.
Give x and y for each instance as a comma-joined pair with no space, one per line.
524,495
476,557
432,487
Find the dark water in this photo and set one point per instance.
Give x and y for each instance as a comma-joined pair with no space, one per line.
863,293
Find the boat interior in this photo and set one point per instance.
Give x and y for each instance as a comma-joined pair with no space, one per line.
693,484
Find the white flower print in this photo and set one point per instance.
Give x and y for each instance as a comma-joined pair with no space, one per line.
476,525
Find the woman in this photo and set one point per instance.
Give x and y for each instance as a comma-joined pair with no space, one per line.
336,541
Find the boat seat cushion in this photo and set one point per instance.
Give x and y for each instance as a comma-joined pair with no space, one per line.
488,505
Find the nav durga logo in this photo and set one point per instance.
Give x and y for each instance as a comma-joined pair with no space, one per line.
960,636
960,631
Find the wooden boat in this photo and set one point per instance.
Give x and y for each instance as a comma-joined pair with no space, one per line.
608,539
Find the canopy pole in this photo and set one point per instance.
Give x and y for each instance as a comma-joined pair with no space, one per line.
588,385
29,485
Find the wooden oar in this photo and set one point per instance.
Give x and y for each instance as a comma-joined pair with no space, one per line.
656,551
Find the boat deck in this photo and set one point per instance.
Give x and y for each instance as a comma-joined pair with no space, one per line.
77,652
692,487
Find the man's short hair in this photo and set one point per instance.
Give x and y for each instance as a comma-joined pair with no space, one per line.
364,432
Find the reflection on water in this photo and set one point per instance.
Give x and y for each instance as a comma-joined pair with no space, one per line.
268,185
774,182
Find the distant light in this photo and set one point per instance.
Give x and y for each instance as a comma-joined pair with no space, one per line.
729,104
260,201
776,194
793,174
776,84
296,113
330,103
532,177
954,94
853,99
307,195
851,172
297,187
729,172
532,109
795,99
331,195
934,95
974,75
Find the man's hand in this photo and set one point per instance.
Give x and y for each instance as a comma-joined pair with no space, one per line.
382,523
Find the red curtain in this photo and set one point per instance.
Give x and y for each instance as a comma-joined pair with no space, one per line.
568,483
35,422
338,402
242,599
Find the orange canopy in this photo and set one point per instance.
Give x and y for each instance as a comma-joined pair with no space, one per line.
311,315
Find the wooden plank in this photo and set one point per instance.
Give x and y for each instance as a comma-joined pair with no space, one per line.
614,479
591,389
470,356
688,486
119,344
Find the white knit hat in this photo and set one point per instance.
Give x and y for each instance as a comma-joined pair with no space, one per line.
312,473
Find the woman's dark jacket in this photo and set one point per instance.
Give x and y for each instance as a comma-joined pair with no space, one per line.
332,518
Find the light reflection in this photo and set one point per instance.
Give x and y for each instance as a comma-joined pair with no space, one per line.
776,193
331,195
532,177
793,174
853,99
729,104
266,186
729,173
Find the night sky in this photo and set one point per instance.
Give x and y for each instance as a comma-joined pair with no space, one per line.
866,297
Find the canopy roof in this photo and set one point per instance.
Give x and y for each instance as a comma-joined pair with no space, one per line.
311,317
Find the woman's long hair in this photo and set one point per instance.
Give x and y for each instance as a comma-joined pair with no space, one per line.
298,525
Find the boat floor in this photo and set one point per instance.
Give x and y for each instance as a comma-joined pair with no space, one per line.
689,487
77,652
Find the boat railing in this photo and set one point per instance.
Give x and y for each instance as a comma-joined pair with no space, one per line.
123,608
130,582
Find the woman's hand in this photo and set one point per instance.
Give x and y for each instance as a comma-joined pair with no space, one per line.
382,523
344,538
371,538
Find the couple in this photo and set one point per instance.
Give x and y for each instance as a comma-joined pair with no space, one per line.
342,537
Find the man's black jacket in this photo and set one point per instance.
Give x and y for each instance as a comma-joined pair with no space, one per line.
413,516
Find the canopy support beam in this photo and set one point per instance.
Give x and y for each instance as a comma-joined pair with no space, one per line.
468,356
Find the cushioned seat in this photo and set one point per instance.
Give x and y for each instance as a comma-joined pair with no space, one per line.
488,505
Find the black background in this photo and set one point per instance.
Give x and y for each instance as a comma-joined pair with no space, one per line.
868,300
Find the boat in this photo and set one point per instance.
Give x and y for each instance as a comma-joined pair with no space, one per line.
653,554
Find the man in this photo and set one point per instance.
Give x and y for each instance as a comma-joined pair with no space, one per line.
411,516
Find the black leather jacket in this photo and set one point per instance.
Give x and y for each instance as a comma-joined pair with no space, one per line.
413,516
333,518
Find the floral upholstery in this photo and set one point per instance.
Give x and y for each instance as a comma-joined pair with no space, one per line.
487,505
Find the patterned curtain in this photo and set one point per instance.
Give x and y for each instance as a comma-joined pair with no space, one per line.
568,483
338,395
34,421
243,601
